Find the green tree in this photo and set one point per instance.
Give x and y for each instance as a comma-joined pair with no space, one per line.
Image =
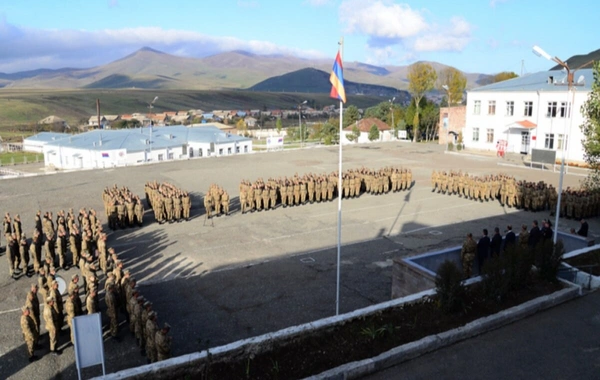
351,115
421,79
278,126
241,126
591,130
429,119
330,133
455,82
354,135
373,133
505,75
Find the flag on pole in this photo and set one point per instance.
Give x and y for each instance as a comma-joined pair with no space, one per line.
337,80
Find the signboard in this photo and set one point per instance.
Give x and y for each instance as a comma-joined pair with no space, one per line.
402,134
274,142
89,348
543,156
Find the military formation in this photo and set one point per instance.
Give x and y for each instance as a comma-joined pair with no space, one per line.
579,204
309,188
77,240
169,203
123,208
216,201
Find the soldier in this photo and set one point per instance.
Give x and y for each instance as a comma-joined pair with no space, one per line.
177,207
467,255
73,310
17,230
73,285
137,310
58,304
30,333
130,211
150,333
91,300
111,309
12,254
61,246
139,212
163,343
186,201
35,250
225,202
24,253
33,304
42,283
524,238
311,189
243,200
51,321
208,205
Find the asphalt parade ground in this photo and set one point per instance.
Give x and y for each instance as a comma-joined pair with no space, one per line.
216,281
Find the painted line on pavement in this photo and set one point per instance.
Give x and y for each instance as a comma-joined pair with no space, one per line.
370,207
9,311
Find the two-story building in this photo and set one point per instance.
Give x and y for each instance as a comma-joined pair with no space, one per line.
535,111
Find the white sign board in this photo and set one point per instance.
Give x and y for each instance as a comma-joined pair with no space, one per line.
402,135
274,142
89,347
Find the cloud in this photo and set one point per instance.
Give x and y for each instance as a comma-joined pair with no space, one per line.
30,48
113,3
317,3
493,3
387,24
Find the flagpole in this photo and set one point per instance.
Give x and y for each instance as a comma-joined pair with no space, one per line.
339,221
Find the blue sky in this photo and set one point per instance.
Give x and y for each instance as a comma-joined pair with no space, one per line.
486,36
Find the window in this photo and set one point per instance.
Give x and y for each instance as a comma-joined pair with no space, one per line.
562,142
510,108
200,152
490,135
220,151
170,156
191,154
477,107
551,109
160,157
229,150
549,143
475,134
491,107
237,149
245,148
528,109
565,109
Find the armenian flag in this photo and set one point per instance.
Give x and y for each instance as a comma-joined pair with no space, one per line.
337,80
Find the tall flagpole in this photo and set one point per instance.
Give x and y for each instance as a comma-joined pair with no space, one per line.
339,221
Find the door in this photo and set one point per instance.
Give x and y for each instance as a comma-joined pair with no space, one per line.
525,142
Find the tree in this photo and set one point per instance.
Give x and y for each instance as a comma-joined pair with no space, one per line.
456,83
421,79
354,135
505,75
241,125
351,115
278,126
591,130
429,119
373,133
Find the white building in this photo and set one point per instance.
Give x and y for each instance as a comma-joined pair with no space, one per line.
109,148
364,126
529,112
36,143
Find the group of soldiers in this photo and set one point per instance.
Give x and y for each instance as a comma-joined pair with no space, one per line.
299,190
579,204
525,195
48,247
216,201
122,207
169,203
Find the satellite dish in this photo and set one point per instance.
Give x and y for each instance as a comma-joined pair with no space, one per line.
581,79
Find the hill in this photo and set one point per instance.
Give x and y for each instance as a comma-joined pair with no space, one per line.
311,80
582,61
149,68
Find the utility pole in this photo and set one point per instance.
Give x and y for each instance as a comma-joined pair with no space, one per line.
98,111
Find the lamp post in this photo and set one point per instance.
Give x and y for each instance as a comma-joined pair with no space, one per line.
541,53
445,87
150,106
300,122
392,110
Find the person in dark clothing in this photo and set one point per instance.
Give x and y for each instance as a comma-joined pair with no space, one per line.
496,243
583,230
534,234
483,249
546,231
510,238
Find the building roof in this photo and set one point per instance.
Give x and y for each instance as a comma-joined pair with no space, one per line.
364,125
51,120
540,81
526,124
47,137
136,139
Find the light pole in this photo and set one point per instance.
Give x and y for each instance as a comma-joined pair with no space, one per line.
150,106
300,123
541,53
445,87
392,109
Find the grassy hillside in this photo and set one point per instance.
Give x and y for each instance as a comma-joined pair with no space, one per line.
19,109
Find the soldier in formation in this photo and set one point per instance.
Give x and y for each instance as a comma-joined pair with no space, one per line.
122,207
310,188
169,203
216,201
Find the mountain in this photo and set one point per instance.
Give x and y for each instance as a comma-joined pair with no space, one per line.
311,80
582,61
151,69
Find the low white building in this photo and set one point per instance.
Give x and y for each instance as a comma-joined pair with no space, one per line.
109,148
529,112
364,126
36,143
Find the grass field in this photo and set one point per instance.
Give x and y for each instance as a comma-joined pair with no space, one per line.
26,107
16,158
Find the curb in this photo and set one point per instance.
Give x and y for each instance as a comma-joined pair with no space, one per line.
431,343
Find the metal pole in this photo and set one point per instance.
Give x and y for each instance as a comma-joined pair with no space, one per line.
339,221
562,161
300,127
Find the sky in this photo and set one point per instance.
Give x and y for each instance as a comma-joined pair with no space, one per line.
482,36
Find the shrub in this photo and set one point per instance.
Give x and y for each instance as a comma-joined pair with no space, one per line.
459,147
550,255
495,280
450,289
450,146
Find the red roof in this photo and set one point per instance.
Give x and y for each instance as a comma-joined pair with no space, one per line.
364,125
526,124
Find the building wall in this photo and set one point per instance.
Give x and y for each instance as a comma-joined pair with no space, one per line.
364,137
502,126
33,146
452,119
